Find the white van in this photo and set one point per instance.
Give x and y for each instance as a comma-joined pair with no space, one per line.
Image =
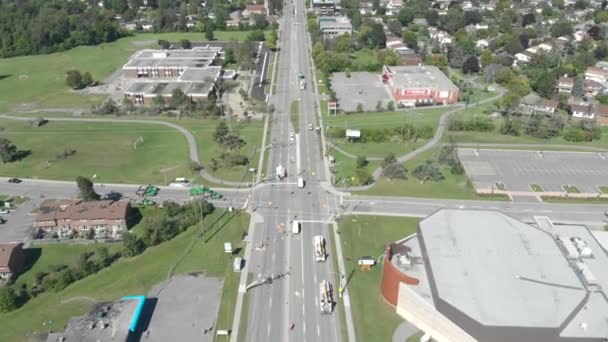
295,227
238,264
300,182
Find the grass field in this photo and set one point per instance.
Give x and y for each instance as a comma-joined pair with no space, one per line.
203,129
536,188
575,200
419,118
571,189
452,186
131,276
344,168
39,81
375,320
102,149
294,110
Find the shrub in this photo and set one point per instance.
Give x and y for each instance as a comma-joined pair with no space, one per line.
231,159
394,171
428,170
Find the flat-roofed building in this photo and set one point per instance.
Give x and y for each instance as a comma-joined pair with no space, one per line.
481,275
195,83
324,7
332,27
419,85
168,64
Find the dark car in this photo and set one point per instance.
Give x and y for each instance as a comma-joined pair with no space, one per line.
15,180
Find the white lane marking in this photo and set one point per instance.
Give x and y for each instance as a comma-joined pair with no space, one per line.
315,277
268,330
270,304
304,327
318,331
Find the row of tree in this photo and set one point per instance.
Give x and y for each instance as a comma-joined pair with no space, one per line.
403,133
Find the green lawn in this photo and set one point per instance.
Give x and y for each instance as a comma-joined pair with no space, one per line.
102,149
250,131
536,188
571,189
344,168
381,120
131,276
39,81
575,200
604,189
452,186
375,320
294,109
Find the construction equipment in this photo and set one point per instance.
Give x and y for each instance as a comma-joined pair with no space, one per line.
320,254
205,192
147,191
326,297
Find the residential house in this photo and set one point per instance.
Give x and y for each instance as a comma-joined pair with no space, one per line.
254,9
12,260
393,7
233,22
534,104
366,8
598,75
482,44
580,35
582,112
442,37
565,85
523,57
592,88
66,218
602,65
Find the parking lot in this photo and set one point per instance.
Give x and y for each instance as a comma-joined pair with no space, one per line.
363,88
523,170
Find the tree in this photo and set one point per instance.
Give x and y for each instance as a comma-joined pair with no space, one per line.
578,88
209,32
362,176
158,102
221,131
362,162
86,189
513,46
229,56
8,299
178,98
395,27
390,106
545,85
256,36
528,19
486,58
455,56
8,151
185,44
561,28
87,79
389,159
394,171
405,17
163,44
259,21
372,35
470,65
74,79
232,141
132,245
359,107
428,170
410,39
102,256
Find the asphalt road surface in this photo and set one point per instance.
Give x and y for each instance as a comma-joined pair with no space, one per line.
293,297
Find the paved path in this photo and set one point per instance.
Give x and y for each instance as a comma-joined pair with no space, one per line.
404,331
192,146
441,127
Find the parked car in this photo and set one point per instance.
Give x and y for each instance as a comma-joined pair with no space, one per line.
310,127
4,211
15,180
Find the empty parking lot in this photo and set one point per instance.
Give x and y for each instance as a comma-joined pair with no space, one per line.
520,170
363,88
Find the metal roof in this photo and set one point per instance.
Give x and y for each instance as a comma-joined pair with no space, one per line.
498,270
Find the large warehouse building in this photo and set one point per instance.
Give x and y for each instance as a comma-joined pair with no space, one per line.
419,85
160,72
473,275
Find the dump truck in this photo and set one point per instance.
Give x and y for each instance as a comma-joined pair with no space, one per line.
281,172
147,191
326,298
320,254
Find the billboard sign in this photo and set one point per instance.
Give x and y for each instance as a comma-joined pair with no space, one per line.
414,92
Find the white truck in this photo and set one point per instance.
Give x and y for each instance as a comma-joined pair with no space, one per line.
320,254
281,172
295,227
302,81
326,298
300,182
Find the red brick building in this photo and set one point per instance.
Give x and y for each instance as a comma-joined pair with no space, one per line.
12,259
419,85
107,218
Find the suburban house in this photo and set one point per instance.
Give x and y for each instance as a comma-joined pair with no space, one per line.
442,37
534,104
601,113
598,75
565,85
254,9
107,218
393,7
583,112
592,88
12,259
482,44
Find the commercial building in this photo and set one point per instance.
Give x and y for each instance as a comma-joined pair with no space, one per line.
324,7
12,259
419,85
476,275
107,218
332,27
195,83
169,64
